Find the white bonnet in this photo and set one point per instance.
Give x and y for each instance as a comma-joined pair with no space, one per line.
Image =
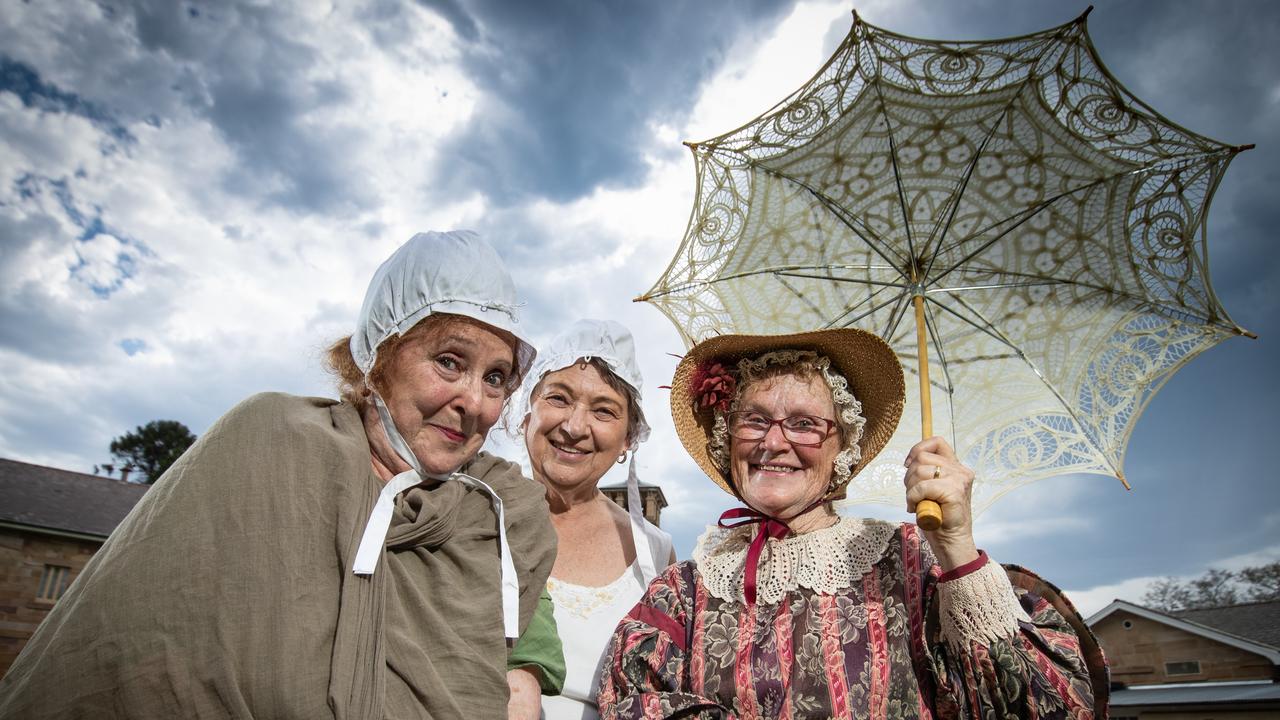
455,272
605,339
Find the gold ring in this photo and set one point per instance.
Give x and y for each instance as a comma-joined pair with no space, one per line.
937,471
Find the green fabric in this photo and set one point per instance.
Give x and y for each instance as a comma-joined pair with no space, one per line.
227,592
539,646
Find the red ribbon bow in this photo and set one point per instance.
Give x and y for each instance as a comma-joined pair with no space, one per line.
769,528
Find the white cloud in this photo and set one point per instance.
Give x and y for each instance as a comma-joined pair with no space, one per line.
1091,600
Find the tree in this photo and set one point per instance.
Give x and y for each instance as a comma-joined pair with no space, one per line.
152,448
1215,588
1263,581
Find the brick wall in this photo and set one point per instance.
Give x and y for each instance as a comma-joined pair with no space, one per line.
1139,650
23,557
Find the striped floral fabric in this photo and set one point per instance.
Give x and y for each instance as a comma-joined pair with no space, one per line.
872,650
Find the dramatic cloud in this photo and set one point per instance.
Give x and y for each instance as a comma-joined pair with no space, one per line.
193,196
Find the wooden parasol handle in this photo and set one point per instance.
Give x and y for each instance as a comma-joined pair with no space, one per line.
928,512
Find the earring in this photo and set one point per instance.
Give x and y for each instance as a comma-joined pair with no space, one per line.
622,458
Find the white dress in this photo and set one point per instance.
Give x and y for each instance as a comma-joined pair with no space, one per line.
586,618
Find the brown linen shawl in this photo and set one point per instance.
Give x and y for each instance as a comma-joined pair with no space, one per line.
227,591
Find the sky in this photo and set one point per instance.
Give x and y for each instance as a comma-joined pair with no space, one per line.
193,197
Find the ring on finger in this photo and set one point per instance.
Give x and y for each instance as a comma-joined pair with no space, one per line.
937,471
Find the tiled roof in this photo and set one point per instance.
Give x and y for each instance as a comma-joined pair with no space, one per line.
1265,693
54,499
1256,621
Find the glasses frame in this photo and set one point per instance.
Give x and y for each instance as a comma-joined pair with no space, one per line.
831,426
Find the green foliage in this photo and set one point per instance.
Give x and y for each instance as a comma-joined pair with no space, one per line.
152,448
1215,588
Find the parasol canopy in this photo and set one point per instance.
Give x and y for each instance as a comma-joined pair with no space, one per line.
1050,225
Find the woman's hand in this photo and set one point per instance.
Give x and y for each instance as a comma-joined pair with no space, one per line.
934,473
526,695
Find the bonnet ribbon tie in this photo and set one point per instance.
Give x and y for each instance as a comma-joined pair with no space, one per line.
769,528
374,538
639,537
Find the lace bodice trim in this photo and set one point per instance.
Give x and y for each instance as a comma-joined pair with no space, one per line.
583,601
825,561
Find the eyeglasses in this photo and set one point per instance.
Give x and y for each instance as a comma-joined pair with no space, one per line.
803,430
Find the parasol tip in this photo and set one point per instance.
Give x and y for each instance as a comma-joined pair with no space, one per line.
1120,477
1086,12
1242,148
640,298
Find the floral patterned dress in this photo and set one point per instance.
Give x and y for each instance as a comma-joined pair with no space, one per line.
851,622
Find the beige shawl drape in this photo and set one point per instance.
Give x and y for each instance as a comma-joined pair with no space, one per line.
227,591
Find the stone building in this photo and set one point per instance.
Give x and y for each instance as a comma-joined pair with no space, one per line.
51,522
1221,663
651,498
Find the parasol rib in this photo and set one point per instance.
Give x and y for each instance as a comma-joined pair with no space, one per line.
1084,429
850,309
1177,313
1036,209
930,325
816,310
895,317
1033,74
893,159
698,284
866,234
855,281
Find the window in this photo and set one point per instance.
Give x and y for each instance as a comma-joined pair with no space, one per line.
1190,667
53,582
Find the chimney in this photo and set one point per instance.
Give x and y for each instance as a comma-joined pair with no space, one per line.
124,473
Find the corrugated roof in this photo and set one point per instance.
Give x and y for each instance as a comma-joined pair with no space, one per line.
1256,621
1196,694
55,499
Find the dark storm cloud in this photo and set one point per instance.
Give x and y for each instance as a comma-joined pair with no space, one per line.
569,88
237,65
253,84
21,80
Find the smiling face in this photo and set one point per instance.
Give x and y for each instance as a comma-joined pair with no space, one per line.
772,475
576,428
445,386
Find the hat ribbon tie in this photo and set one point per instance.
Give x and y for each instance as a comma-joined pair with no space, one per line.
769,528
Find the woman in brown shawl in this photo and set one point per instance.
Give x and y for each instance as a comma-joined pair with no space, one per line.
313,558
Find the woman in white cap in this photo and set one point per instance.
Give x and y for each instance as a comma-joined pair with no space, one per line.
788,610
313,558
580,415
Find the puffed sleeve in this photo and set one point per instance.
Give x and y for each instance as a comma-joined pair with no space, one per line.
539,647
645,672
1005,644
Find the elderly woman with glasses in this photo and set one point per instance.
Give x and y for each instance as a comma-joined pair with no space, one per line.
314,558
788,610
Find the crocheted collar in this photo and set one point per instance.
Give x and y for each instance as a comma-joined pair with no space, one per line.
825,561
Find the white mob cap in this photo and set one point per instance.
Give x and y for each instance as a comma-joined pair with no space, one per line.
455,272
604,339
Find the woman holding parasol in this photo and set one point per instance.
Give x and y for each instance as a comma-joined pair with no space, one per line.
789,610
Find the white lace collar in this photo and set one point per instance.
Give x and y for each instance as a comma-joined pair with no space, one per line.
825,561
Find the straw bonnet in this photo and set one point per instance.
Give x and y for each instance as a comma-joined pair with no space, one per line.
867,362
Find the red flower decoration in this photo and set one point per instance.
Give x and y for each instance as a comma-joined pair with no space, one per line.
713,386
